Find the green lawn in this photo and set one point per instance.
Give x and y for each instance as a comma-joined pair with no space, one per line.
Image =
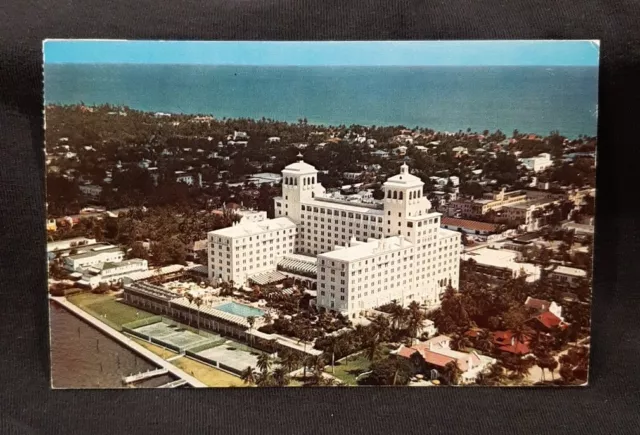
105,308
347,371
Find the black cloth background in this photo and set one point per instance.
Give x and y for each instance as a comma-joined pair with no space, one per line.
611,405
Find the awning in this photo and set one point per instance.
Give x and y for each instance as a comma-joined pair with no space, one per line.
267,277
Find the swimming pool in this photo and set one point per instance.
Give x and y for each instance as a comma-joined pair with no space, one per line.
240,309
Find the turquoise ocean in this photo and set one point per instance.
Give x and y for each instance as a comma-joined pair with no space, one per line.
530,99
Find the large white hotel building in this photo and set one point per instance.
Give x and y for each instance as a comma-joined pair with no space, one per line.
367,254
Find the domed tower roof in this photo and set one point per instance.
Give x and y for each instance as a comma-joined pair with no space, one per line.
300,166
404,178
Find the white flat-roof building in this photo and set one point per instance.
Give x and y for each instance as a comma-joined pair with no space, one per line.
69,243
539,163
501,263
242,250
93,257
564,275
112,272
387,251
265,178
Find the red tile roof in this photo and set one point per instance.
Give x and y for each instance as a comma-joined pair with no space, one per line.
548,319
473,333
440,359
469,224
502,339
437,359
518,349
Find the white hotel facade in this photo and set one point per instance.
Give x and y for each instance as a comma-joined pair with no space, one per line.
367,254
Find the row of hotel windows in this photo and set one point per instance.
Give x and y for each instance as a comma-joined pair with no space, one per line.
441,282
329,211
225,240
293,181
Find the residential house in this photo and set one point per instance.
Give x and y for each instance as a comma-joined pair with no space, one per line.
540,306
437,353
505,341
565,276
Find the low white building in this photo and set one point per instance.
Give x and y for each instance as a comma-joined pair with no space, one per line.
93,256
192,179
91,190
539,163
501,263
564,275
265,178
111,272
69,243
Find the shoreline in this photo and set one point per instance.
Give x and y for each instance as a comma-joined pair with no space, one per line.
370,125
125,341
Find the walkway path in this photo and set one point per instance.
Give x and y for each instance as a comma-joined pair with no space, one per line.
127,342
535,373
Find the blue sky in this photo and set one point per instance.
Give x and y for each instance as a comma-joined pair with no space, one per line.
380,53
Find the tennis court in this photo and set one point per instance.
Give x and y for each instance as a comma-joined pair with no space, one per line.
173,335
232,355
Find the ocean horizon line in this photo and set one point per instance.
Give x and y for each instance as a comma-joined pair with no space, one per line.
320,66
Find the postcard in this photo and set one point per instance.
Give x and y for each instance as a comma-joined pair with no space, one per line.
241,214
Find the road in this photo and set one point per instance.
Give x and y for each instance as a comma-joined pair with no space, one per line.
127,342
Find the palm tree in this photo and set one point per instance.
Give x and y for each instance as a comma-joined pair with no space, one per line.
373,348
461,343
268,318
189,297
280,376
316,364
451,372
398,316
264,362
304,335
198,301
334,345
416,320
288,360
521,333
248,376
251,320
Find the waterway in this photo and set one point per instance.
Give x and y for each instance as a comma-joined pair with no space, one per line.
83,357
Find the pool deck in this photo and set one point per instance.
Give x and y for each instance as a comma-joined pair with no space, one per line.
129,343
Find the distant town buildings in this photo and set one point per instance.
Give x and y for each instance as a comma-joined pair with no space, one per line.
516,207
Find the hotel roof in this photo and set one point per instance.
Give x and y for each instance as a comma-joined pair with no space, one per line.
254,228
361,250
